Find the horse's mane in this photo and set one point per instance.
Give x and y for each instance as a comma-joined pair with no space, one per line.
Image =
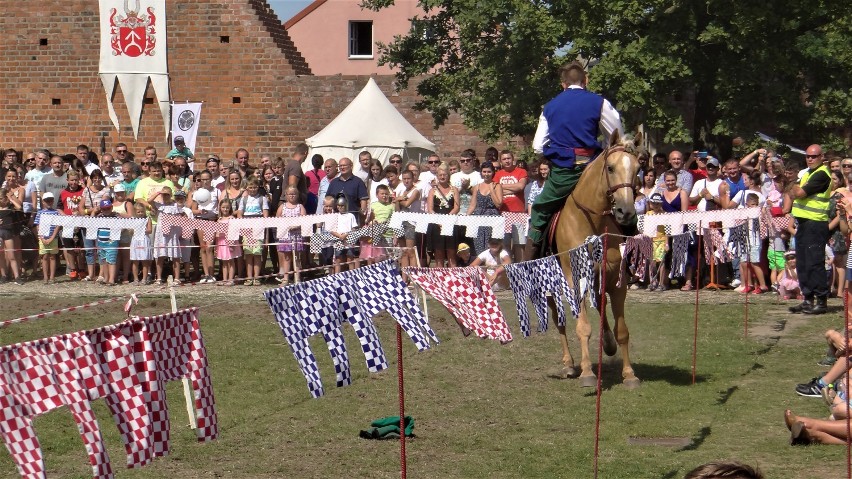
630,146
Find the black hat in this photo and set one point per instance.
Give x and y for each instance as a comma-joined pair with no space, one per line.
179,140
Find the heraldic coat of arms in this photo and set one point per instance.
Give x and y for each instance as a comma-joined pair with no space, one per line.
133,34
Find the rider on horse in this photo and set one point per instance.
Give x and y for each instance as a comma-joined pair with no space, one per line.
567,135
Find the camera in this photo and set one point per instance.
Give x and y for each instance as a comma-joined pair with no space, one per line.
702,154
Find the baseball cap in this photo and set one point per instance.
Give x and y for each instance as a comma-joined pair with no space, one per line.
463,247
789,254
180,193
656,198
119,188
47,196
105,204
712,161
179,140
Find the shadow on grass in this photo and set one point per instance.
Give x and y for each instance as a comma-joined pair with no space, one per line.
698,440
670,475
725,395
611,375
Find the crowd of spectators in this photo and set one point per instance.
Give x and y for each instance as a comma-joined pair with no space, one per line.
126,185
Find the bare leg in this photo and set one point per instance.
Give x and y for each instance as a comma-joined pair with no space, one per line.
451,258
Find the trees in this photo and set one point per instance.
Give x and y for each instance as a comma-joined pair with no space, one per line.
697,71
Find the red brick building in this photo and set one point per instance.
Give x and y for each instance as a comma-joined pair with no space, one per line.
235,56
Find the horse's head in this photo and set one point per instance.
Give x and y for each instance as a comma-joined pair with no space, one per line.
621,167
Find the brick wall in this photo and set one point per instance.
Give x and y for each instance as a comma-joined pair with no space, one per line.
219,53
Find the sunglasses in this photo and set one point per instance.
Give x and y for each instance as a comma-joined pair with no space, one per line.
846,166
395,161
434,162
813,156
121,151
465,161
146,163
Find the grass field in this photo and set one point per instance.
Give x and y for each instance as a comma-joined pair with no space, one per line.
481,409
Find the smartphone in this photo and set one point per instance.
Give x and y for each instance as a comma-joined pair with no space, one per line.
702,154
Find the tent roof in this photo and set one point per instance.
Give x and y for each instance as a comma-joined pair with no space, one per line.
370,120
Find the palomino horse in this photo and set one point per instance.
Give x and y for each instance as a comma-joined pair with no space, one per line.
602,199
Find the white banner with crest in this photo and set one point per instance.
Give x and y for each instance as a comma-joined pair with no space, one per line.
133,50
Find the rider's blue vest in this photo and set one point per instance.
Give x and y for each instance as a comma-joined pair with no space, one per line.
572,122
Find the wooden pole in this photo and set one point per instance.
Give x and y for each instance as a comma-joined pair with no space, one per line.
188,395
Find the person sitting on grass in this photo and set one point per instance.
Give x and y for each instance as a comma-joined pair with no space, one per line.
806,430
494,259
816,386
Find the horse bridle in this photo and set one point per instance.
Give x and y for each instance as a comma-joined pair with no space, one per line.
610,189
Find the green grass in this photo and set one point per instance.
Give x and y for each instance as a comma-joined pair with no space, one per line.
481,409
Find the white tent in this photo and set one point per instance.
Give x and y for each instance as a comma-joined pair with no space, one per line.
369,123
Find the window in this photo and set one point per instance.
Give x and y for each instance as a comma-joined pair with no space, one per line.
361,39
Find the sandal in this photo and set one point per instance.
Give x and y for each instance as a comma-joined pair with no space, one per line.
686,287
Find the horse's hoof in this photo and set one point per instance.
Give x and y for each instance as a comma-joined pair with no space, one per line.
610,346
632,383
588,381
569,372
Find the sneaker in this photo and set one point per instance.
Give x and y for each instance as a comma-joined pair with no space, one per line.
827,361
775,288
811,389
203,280
735,283
100,280
634,287
249,282
19,281
757,291
87,279
72,274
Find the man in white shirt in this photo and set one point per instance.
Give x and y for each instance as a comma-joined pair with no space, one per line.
83,155
42,167
708,193
364,159
426,180
567,135
213,168
465,181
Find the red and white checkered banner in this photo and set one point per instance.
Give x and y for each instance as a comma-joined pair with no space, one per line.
467,295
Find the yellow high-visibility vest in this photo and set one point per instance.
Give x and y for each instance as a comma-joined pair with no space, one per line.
813,207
